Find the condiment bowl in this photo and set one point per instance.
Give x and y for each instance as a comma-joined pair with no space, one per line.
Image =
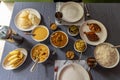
85,45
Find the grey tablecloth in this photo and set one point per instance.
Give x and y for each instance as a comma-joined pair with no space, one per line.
108,14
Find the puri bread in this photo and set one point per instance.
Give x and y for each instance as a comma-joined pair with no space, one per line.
24,23
34,19
26,19
24,14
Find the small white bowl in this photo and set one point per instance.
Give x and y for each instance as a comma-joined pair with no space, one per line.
71,33
117,53
24,51
34,47
85,45
45,37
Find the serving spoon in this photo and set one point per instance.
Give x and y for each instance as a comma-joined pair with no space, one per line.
87,11
116,46
34,65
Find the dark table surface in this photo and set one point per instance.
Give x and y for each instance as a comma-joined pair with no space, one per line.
108,14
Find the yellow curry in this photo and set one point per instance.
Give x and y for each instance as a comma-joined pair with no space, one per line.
40,33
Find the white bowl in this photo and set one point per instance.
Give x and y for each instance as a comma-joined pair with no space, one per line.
58,46
78,50
34,47
24,51
101,64
45,37
71,33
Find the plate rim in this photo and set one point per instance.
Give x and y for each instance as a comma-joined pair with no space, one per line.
31,9
76,4
60,70
95,43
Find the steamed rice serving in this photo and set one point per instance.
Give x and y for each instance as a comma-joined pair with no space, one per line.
106,55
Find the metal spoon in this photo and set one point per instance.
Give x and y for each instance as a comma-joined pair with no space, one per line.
36,62
34,65
80,56
116,46
87,11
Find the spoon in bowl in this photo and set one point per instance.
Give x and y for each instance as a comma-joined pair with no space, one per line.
36,62
116,46
80,44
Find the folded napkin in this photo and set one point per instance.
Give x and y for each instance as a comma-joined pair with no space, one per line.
58,6
60,63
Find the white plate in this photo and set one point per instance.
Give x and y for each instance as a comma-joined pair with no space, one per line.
33,11
102,35
24,51
72,71
72,11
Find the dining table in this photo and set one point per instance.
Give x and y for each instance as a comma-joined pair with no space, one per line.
106,13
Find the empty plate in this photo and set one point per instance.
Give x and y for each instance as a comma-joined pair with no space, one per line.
72,11
72,71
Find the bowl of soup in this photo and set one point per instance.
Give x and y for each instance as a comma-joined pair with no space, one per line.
40,33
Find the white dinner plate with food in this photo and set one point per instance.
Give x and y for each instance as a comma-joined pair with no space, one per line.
27,19
93,32
72,11
72,71
14,59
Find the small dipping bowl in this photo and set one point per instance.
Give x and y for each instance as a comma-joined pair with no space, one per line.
80,44
73,30
53,26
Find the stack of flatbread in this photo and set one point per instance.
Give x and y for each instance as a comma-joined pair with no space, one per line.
27,19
